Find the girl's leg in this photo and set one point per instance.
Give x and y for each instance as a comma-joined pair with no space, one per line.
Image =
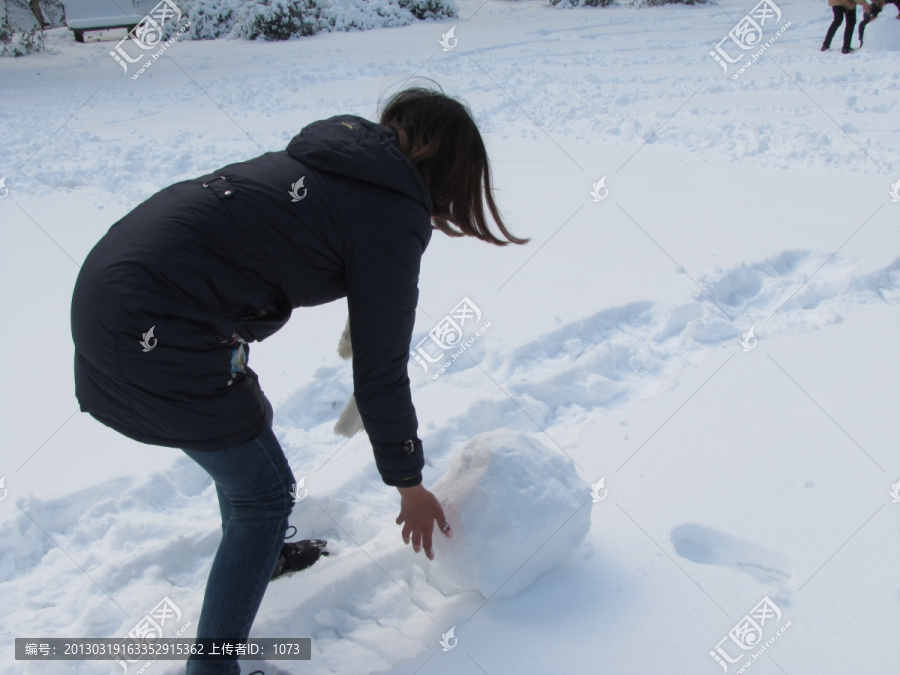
253,481
224,503
848,28
835,24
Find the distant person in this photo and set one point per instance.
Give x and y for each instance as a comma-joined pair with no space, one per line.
167,301
872,13
843,10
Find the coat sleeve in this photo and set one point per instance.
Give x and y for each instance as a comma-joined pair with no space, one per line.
382,295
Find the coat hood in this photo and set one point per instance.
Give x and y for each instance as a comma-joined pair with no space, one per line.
355,147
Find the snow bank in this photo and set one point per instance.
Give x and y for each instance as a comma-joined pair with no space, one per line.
517,509
883,33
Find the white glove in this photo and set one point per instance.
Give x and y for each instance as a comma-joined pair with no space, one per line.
349,423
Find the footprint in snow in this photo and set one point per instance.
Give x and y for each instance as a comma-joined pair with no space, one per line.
706,546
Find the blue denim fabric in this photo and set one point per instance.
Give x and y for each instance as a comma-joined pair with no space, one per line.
253,484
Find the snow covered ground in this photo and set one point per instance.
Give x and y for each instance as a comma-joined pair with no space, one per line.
729,476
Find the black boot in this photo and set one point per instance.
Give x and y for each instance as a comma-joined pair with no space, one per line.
847,50
298,555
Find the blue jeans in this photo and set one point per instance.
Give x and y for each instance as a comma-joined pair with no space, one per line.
253,484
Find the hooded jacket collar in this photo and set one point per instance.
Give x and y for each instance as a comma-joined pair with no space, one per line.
353,146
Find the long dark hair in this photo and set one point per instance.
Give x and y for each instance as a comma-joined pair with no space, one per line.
439,136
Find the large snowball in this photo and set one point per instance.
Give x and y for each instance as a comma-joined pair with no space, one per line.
883,34
512,502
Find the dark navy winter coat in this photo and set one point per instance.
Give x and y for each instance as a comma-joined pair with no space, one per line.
226,257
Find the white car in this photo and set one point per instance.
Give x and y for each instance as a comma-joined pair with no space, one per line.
104,15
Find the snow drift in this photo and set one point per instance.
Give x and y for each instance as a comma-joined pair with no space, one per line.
517,509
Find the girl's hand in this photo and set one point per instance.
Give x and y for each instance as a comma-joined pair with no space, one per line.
419,509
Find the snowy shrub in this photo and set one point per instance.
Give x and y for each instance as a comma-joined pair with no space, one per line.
657,3
581,3
348,15
20,43
5,30
53,13
20,32
286,19
210,19
254,19
282,19
430,9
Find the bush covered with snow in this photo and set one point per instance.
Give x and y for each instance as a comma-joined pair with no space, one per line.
20,32
581,3
430,9
53,13
19,42
347,15
210,19
606,3
283,19
657,3
513,503
286,19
